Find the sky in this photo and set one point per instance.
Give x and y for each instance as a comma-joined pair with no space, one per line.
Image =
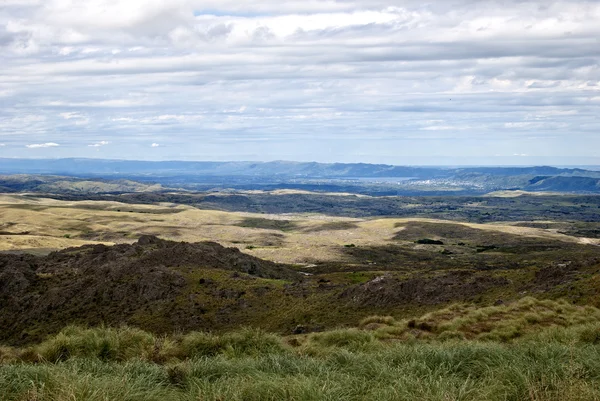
437,82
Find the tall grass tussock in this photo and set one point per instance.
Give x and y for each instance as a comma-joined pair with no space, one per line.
458,353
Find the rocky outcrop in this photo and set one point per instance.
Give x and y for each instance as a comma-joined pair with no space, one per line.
98,284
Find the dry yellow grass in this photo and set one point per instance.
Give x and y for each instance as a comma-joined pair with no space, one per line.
20,242
57,224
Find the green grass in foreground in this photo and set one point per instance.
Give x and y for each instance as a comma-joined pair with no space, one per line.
558,360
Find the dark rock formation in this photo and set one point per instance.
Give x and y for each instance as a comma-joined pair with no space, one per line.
98,284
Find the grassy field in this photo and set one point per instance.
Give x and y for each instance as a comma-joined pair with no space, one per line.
554,356
352,267
29,223
373,313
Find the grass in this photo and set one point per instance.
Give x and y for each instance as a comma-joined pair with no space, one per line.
267,224
127,343
556,358
526,350
298,239
104,343
500,323
243,342
438,371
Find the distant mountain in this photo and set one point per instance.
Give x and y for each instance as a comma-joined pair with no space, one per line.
564,184
118,176
62,185
101,167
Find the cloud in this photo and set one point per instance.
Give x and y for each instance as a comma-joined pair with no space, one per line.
42,145
76,118
155,145
351,80
70,115
99,144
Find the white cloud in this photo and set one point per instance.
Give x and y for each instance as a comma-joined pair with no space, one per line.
100,103
155,145
75,118
438,128
302,75
99,144
70,115
42,145
166,117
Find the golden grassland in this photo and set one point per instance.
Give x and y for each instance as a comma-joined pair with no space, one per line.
28,222
520,349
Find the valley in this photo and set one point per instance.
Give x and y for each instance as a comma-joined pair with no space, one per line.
172,280
325,200
340,268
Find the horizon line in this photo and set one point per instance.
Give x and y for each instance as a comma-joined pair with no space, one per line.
454,165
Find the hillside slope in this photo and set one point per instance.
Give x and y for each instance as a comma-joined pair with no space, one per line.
125,283
70,185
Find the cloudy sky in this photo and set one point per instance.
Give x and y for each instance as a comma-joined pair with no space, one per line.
401,82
